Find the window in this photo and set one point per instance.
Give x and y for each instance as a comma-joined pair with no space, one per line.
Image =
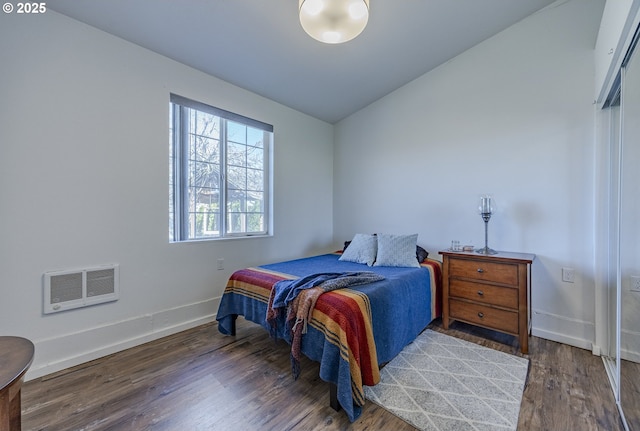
219,172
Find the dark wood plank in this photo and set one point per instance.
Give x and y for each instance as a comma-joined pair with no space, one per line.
202,380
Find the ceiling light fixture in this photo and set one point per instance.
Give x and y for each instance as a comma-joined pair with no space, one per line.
334,21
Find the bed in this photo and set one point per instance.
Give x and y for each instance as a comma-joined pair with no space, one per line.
351,331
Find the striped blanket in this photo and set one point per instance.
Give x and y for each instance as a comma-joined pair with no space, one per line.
295,300
351,331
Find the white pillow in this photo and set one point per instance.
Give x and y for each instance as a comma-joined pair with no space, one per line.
397,250
362,249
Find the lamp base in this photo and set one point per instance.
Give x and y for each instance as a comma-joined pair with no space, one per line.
486,250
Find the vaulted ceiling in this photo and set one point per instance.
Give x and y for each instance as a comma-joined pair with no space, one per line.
259,45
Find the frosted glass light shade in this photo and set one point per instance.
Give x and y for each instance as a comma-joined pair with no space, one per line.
486,205
334,21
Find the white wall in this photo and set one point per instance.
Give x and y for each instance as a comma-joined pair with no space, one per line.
84,181
512,116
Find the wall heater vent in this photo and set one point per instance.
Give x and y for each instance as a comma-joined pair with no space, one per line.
65,290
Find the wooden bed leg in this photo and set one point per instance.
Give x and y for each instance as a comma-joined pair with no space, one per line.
234,317
333,397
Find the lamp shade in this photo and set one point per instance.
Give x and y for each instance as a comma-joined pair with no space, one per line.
486,205
334,21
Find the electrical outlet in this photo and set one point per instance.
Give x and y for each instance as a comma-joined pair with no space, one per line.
568,275
635,283
220,264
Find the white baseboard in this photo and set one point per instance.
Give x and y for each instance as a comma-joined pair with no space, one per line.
574,332
68,350
630,355
562,338
630,345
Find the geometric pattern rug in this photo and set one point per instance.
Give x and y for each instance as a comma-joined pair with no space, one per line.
442,383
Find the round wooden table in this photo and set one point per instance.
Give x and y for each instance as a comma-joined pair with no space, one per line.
16,355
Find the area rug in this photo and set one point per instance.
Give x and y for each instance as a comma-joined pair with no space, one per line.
441,383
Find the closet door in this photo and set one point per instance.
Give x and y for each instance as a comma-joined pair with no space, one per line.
630,244
611,350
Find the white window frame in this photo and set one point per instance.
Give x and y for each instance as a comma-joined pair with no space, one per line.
183,218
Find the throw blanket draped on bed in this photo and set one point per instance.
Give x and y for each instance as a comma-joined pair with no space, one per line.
296,299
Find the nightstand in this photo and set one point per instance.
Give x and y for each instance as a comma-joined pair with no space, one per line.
492,291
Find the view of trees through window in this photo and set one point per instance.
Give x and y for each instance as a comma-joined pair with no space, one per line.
218,175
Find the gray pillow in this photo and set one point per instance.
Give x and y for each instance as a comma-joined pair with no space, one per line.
363,249
396,250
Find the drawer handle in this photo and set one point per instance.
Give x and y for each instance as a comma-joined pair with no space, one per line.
480,292
480,270
481,314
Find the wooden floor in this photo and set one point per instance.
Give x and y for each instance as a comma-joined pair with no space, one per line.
202,380
630,393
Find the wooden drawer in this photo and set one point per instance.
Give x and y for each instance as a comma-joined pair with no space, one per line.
486,271
502,320
485,293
